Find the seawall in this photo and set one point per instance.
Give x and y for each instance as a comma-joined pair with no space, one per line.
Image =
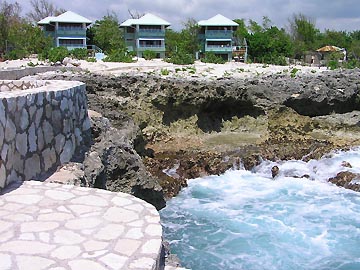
41,125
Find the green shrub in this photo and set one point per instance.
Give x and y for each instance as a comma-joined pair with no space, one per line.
91,59
149,55
210,57
333,64
293,72
279,60
352,63
31,64
16,54
181,58
118,55
165,72
44,54
57,54
79,53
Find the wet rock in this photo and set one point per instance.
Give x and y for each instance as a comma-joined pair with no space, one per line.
274,171
347,180
346,164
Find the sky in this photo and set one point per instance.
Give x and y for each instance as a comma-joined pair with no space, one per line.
328,14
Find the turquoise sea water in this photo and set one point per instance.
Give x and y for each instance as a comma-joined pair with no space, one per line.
246,220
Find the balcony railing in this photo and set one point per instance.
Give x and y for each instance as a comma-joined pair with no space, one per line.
218,48
73,46
155,48
151,33
71,31
218,34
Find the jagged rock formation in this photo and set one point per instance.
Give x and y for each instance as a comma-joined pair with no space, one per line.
112,163
197,127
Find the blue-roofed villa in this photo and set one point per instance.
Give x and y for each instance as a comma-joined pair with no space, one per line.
216,36
145,33
67,30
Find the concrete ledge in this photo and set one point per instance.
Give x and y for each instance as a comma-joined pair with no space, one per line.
16,74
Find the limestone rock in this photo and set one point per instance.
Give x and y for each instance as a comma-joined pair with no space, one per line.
112,163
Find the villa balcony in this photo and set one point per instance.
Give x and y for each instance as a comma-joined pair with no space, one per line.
73,46
221,34
155,48
151,33
71,32
218,48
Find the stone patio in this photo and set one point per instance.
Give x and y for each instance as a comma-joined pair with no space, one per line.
58,227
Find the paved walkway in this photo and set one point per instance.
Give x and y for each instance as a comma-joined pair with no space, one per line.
58,227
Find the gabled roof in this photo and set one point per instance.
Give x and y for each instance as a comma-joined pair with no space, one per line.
217,20
46,20
68,17
329,48
147,19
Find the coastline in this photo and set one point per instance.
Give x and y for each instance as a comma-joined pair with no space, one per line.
271,129
203,127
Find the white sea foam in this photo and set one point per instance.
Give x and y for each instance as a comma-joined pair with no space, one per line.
247,220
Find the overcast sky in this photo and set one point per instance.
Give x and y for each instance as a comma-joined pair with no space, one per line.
328,14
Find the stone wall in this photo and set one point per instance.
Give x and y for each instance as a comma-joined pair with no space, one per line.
41,125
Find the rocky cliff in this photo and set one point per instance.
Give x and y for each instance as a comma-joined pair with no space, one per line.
192,127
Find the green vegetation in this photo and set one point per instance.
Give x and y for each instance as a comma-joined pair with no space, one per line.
182,46
149,55
212,58
165,72
271,45
57,54
79,53
107,34
293,72
18,37
119,55
181,58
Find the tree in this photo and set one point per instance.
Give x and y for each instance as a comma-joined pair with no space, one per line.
337,38
241,31
135,14
254,27
354,49
107,34
182,46
303,33
43,9
268,44
9,18
29,39
189,36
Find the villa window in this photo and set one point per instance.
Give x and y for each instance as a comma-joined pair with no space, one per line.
150,28
71,42
70,26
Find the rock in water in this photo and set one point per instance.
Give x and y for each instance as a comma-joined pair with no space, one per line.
347,180
274,171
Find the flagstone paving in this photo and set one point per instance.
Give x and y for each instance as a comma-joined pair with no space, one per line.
58,227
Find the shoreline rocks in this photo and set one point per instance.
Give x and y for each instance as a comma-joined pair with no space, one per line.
194,127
